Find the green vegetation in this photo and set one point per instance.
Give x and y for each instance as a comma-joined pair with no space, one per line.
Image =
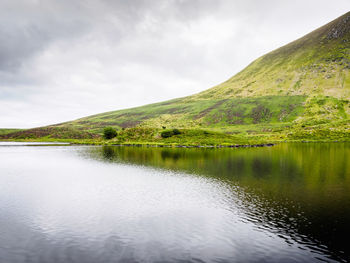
176,131
109,133
299,92
166,134
169,133
7,131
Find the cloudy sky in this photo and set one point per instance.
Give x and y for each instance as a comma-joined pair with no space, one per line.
65,59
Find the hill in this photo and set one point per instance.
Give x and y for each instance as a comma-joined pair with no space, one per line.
7,131
299,91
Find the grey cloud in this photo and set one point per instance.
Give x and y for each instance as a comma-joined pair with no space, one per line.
26,28
29,27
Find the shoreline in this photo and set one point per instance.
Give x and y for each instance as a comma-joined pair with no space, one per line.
171,145
194,146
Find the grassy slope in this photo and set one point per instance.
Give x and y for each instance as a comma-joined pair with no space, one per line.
7,131
298,92
316,64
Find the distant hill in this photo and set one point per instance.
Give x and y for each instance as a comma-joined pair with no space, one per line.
7,131
297,88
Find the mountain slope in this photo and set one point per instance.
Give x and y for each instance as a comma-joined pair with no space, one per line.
303,85
316,64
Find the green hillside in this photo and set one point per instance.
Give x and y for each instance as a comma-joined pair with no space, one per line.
300,91
7,131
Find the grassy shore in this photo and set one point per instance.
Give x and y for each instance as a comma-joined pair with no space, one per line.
195,137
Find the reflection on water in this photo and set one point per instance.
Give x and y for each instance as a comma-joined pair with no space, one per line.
288,203
303,190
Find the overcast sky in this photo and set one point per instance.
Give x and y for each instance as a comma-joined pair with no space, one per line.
65,59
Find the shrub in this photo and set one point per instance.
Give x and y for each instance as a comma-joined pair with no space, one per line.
166,134
176,131
109,133
261,114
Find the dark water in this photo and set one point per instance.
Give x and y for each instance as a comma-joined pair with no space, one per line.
288,203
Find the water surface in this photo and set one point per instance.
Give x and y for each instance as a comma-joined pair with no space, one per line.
288,203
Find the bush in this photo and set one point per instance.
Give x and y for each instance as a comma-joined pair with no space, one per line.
166,134
176,131
109,133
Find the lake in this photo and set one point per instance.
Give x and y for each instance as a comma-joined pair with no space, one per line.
287,203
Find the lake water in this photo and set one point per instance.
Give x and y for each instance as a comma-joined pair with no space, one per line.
287,203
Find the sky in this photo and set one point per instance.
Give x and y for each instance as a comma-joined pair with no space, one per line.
65,59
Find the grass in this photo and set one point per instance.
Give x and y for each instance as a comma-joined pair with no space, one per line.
243,135
183,114
7,131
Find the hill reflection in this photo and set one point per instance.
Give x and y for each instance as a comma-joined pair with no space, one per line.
302,190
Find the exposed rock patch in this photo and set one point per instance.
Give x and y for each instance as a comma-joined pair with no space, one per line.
340,29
